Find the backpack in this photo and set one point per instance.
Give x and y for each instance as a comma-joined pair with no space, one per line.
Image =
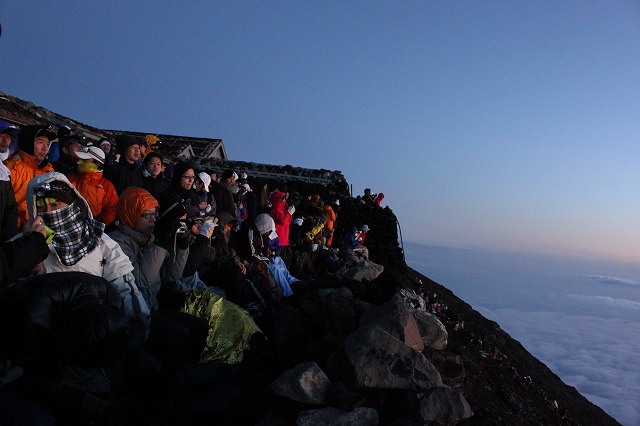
264,281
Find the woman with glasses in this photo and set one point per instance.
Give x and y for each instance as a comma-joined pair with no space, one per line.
183,183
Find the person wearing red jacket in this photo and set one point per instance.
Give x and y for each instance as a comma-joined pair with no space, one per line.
97,190
282,216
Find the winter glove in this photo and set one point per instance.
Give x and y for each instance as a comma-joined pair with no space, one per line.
184,239
167,234
207,228
291,210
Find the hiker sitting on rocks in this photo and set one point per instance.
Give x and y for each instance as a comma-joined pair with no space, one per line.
315,237
226,270
351,249
368,197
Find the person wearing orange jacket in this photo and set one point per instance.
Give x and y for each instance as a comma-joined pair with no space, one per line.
30,161
97,190
331,216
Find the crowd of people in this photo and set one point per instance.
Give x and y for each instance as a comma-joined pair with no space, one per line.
139,260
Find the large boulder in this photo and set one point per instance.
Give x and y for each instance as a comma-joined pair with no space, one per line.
434,333
443,406
362,271
305,383
396,318
372,358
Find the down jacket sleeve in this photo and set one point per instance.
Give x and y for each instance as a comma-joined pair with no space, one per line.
118,270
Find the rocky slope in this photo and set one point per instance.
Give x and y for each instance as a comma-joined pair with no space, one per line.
375,352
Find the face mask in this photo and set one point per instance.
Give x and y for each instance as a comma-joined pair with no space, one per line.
85,166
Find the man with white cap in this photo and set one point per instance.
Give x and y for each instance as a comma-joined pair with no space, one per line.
96,190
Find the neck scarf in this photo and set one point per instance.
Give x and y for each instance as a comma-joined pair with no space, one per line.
75,234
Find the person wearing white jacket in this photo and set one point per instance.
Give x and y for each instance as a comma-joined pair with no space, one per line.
79,242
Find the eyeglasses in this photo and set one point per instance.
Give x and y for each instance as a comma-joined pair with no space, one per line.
187,177
148,216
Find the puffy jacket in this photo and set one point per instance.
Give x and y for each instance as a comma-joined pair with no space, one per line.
99,193
152,264
77,318
23,168
107,260
20,255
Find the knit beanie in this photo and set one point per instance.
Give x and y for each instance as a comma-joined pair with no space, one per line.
29,133
125,141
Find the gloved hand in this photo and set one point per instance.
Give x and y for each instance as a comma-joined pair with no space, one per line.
291,210
167,235
184,239
207,228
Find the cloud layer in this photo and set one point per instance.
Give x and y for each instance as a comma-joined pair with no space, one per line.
582,323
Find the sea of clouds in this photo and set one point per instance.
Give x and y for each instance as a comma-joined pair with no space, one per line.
581,318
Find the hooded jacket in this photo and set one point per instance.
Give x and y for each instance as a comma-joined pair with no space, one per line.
99,193
329,225
225,199
107,260
152,264
281,216
23,167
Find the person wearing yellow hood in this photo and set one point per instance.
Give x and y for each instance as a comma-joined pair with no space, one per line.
98,191
30,161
